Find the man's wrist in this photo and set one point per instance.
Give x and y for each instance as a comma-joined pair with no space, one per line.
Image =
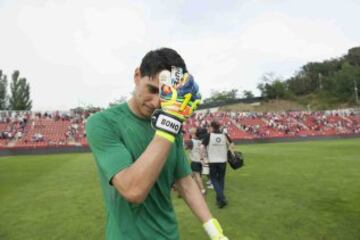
167,136
213,229
165,122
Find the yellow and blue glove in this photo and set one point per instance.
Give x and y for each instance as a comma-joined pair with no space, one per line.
214,230
179,97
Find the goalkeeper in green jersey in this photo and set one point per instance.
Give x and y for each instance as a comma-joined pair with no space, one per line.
139,153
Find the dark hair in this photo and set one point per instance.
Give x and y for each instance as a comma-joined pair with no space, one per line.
215,125
160,59
200,133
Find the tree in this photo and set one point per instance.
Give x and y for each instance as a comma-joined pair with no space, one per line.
280,89
248,94
314,76
338,78
118,101
353,56
20,93
272,87
3,90
343,82
219,96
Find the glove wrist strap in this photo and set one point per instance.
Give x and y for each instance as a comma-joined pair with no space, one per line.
166,125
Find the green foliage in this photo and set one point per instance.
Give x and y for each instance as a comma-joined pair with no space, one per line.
343,82
273,87
219,96
248,94
319,101
337,77
86,108
20,93
353,56
3,90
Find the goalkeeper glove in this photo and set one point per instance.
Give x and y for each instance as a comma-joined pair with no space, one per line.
179,93
179,97
214,230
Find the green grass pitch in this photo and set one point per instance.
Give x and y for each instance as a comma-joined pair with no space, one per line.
303,190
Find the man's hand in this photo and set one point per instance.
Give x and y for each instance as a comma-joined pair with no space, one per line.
179,93
179,97
214,230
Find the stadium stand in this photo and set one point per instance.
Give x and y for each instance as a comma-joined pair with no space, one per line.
48,129
41,130
251,125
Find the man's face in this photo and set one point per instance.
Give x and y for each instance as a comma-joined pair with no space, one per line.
146,94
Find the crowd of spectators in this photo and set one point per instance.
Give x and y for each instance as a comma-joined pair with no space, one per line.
12,125
283,124
68,128
50,128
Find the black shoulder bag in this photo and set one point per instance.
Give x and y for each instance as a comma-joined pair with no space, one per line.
236,159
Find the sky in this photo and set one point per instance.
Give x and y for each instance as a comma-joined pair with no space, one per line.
84,52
